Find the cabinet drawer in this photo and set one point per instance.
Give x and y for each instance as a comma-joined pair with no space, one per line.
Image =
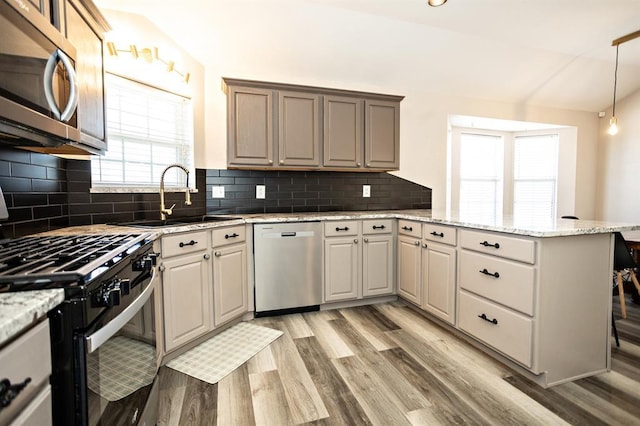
407,227
230,235
499,245
27,356
173,245
511,333
377,226
38,412
513,286
439,233
340,228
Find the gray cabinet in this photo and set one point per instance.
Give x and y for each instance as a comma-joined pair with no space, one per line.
84,28
314,128
439,280
409,281
298,129
229,274
186,288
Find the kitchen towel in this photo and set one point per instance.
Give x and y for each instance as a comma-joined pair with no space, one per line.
220,355
120,367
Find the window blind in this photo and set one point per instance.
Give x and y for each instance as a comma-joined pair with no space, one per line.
147,129
535,175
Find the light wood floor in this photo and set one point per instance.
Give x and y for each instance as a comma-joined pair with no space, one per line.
387,365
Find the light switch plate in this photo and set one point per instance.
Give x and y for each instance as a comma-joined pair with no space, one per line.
217,192
366,191
260,191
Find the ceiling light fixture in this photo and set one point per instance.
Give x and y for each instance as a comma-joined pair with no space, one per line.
613,123
149,55
436,2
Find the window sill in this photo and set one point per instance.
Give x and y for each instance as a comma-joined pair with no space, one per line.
138,189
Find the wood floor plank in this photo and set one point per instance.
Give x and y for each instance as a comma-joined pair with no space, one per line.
376,402
342,406
171,395
370,327
494,405
262,362
234,399
305,403
403,394
332,344
447,407
199,403
613,392
270,405
297,326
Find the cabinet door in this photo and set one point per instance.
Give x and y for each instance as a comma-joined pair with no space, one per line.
439,281
343,137
409,284
341,269
229,283
377,265
298,129
250,126
382,135
87,39
186,289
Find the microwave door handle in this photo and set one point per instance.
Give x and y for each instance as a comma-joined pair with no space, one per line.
49,69
73,88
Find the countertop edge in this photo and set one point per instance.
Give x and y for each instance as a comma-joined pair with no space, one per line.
22,309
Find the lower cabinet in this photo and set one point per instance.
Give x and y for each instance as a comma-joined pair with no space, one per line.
229,275
359,259
427,267
186,289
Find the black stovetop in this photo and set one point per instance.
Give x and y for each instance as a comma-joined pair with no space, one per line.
42,261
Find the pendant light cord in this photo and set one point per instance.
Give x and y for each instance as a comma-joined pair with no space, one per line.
615,81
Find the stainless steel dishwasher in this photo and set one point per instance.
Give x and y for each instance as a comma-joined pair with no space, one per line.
288,267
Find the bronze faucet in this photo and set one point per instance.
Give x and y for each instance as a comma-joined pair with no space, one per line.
164,211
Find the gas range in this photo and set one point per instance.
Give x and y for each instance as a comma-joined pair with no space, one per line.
69,261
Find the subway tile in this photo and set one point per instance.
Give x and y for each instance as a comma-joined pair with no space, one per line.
15,155
39,185
13,184
47,212
30,200
28,171
20,214
5,168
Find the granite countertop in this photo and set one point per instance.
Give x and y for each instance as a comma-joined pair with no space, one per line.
22,309
505,224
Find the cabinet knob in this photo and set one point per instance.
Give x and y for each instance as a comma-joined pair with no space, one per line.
424,245
368,164
161,268
207,256
366,240
355,241
281,161
417,243
218,254
359,164
270,161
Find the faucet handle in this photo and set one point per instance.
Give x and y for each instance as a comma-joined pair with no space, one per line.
169,211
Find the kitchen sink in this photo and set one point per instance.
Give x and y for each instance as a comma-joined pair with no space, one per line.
178,221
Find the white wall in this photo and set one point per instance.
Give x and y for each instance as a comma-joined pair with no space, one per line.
618,170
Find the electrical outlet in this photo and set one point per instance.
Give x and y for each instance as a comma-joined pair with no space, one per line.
260,191
217,191
366,191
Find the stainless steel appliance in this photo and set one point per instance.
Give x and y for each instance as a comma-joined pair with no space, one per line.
38,88
288,267
104,327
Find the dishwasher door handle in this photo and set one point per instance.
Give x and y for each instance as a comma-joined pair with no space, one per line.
288,234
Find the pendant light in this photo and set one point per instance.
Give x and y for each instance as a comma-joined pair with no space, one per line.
436,2
613,123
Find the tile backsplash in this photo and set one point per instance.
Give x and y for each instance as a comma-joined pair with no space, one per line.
44,192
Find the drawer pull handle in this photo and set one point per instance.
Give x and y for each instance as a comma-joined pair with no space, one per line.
492,321
227,236
435,234
9,392
346,228
487,244
495,274
378,227
190,243
407,228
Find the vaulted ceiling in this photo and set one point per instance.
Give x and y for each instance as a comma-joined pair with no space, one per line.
553,53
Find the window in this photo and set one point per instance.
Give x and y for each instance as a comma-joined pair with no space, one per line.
535,173
148,129
481,164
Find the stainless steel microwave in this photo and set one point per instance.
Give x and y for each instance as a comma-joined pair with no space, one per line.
38,87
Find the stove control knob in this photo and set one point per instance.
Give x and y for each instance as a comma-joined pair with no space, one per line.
125,286
109,298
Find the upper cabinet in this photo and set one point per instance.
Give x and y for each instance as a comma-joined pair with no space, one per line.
84,29
282,126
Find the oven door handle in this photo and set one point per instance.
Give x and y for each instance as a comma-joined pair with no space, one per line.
95,340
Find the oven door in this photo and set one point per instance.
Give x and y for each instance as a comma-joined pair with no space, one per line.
121,363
